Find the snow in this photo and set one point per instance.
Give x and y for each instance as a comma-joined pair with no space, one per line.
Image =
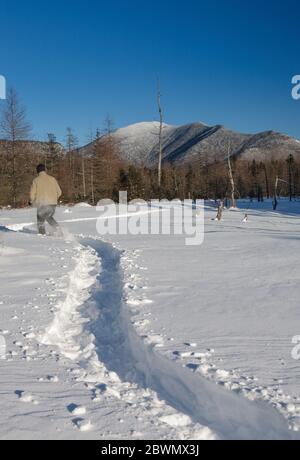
139,129
139,139
144,337
79,205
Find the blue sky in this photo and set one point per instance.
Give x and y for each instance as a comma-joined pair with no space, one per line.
222,62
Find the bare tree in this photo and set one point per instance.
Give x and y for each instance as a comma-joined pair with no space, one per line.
71,144
106,167
109,126
71,140
161,124
93,139
290,162
92,181
220,211
275,200
266,180
97,136
53,154
83,176
231,178
14,128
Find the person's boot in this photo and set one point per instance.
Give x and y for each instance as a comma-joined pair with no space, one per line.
42,231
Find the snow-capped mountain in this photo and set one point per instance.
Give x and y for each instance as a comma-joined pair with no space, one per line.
138,144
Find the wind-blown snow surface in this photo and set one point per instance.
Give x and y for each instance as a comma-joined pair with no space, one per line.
144,337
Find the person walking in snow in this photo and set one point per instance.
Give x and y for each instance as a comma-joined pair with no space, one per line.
44,195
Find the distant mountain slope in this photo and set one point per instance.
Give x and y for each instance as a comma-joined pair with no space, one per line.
191,142
138,144
269,144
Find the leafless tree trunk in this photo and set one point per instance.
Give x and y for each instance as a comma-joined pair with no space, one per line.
161,121
53,154
231,178
220,211
108,126
266,181
92,182
290,162
83,177
275,200
71,144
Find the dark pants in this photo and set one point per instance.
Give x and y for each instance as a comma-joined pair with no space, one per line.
45,214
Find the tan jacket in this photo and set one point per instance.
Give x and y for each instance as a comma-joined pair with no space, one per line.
44,191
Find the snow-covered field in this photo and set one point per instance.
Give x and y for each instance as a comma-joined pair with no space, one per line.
143,337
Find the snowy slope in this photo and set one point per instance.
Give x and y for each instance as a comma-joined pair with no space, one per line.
138,144
127,338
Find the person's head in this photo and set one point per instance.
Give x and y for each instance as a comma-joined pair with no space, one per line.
40,168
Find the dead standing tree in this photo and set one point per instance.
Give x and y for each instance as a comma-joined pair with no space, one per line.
53,157
231,178
266,180
14,128
83,176
92,173
161,125
290,163
220,211
275,198
71,145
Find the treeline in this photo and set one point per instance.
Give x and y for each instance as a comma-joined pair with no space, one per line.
253,180
101,173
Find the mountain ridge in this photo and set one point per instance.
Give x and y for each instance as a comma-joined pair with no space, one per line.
138,144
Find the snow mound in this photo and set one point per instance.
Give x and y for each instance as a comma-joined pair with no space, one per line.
83,205
176,420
